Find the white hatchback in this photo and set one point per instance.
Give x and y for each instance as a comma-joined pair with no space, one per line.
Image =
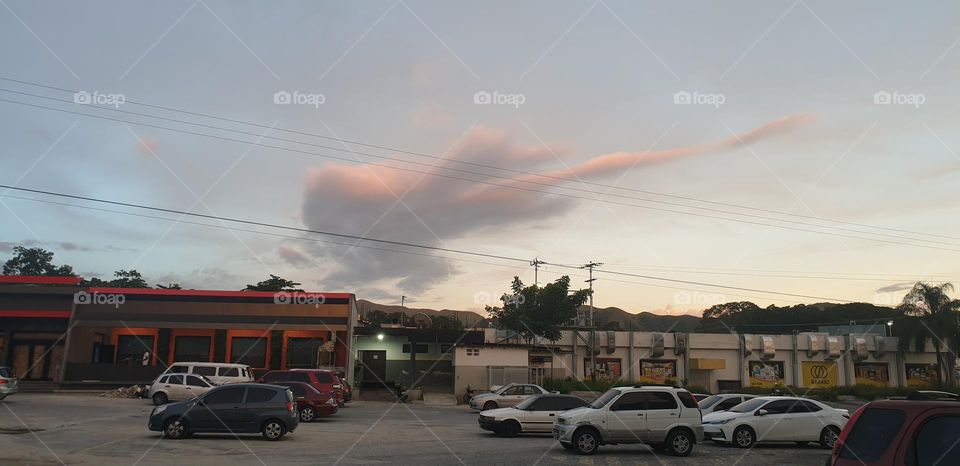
169,387
776,419
535,414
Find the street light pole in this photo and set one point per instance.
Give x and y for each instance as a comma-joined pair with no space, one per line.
593,327
536,269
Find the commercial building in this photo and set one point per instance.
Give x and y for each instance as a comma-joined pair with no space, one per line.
54,330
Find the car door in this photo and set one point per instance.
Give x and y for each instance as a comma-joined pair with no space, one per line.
174,387
808,420
626,418
775,424
662,412
258,405
540,415
221,410
194,386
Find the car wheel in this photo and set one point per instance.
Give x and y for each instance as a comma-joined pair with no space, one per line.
680,443
828,437
176,428
744,437
586,442
160,398
307,414
490,405
273,430
509,429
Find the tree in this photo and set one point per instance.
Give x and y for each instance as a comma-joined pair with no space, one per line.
928,312
35,261
169,286
274,283
538,312
121,279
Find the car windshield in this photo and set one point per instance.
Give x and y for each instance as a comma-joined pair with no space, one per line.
4,372
502,389
523,405
748,406
709,401
604,399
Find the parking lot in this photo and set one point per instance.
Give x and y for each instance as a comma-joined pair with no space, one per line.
42,429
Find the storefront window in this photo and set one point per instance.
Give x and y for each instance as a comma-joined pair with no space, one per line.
302,352
251,351
135,350
191,349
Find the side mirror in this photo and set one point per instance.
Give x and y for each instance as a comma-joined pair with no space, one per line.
762,412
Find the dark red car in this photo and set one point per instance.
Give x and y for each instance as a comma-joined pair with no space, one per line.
900,432
325,381
311,403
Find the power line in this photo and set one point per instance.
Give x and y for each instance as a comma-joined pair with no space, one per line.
444,159
509,186
391,242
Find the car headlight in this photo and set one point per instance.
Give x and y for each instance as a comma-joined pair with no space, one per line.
720,423
159,409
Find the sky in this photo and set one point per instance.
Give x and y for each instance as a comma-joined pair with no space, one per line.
702,152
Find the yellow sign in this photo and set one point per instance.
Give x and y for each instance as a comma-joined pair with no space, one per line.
921,375
871,374
766,374
819,374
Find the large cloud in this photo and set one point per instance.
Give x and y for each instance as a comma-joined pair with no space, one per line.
361,198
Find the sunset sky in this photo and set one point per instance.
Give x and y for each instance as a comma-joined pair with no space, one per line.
826,110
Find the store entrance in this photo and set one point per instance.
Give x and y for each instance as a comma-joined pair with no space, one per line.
36,358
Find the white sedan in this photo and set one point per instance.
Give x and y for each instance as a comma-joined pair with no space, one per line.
722,402
508,395
535,414
776,419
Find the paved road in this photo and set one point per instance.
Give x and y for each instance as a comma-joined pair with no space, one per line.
85,429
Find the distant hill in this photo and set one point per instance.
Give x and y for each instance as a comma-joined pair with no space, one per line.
642,322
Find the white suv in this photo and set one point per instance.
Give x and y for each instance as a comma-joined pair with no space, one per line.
664,417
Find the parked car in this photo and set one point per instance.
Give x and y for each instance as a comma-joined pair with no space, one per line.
535,414
235,408
323,380
722,402
345,388
701,396
507,395
178,387
894,432
311,403
8,383
664,417
776,419
220,373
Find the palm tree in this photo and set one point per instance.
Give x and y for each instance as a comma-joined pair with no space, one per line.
928,312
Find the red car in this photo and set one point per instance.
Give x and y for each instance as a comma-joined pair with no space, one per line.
897,432
325,381
311,403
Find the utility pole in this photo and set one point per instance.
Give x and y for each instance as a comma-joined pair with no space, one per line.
402,299
593,326
536,269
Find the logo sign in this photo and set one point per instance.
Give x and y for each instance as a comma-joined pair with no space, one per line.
819,374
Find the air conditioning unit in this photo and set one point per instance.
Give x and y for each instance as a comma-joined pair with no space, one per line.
815,345
834,347
746,342
879,346
767,346
611,341
656,345
858,348
680,346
